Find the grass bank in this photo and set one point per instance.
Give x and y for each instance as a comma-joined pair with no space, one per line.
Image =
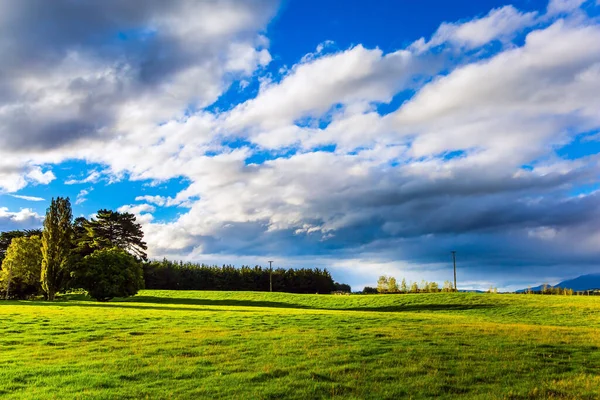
170,344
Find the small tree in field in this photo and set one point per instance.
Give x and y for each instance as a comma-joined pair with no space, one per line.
20,274
433,286
448,287
392,285
110,273
382,284
404,286
414,288
545,288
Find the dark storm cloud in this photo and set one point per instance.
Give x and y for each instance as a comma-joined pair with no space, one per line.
45,137
501,225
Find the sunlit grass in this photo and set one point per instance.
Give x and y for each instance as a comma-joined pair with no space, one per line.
169,344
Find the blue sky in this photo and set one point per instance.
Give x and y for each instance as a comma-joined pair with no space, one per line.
370,137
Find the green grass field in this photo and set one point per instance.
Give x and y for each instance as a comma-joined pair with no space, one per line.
247,345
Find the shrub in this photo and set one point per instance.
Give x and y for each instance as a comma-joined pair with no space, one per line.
342,287
110,273
369,290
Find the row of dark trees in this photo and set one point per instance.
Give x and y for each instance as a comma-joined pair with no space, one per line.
167,274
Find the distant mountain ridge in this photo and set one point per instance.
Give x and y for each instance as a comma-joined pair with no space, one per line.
583,282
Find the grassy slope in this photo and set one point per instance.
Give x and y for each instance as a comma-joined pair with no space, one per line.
167,344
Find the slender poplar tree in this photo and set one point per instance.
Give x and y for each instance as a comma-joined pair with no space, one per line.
57,236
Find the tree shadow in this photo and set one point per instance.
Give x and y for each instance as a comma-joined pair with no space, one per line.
170,303
210,302
94,304
427,307
274,304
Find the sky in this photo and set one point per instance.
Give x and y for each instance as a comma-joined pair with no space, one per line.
370,138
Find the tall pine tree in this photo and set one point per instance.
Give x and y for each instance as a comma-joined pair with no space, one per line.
56,246
113,229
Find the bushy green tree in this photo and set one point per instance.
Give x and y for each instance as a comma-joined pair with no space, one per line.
342,287
20,276
8,236
434,287
56,246
110,273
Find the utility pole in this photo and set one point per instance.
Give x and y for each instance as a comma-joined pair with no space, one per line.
270,276
454,260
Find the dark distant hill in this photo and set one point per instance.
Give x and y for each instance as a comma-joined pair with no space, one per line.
583,282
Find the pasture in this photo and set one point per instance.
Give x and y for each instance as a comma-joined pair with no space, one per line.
253,345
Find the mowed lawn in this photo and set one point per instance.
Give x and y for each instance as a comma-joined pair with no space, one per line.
250,345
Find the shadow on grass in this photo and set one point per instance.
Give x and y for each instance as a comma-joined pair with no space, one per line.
170,303
275,304
209,302
426,307
94,304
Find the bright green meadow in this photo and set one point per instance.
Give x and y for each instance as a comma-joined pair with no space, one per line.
251,345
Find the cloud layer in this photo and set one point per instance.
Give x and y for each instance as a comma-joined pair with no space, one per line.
359,159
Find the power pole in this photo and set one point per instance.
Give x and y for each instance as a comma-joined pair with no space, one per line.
454,260
270,276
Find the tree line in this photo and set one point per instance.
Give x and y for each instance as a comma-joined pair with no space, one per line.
549,289
106,256
172,275
389,284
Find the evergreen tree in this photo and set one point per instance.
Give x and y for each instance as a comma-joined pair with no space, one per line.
56,246
112,229
167,274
